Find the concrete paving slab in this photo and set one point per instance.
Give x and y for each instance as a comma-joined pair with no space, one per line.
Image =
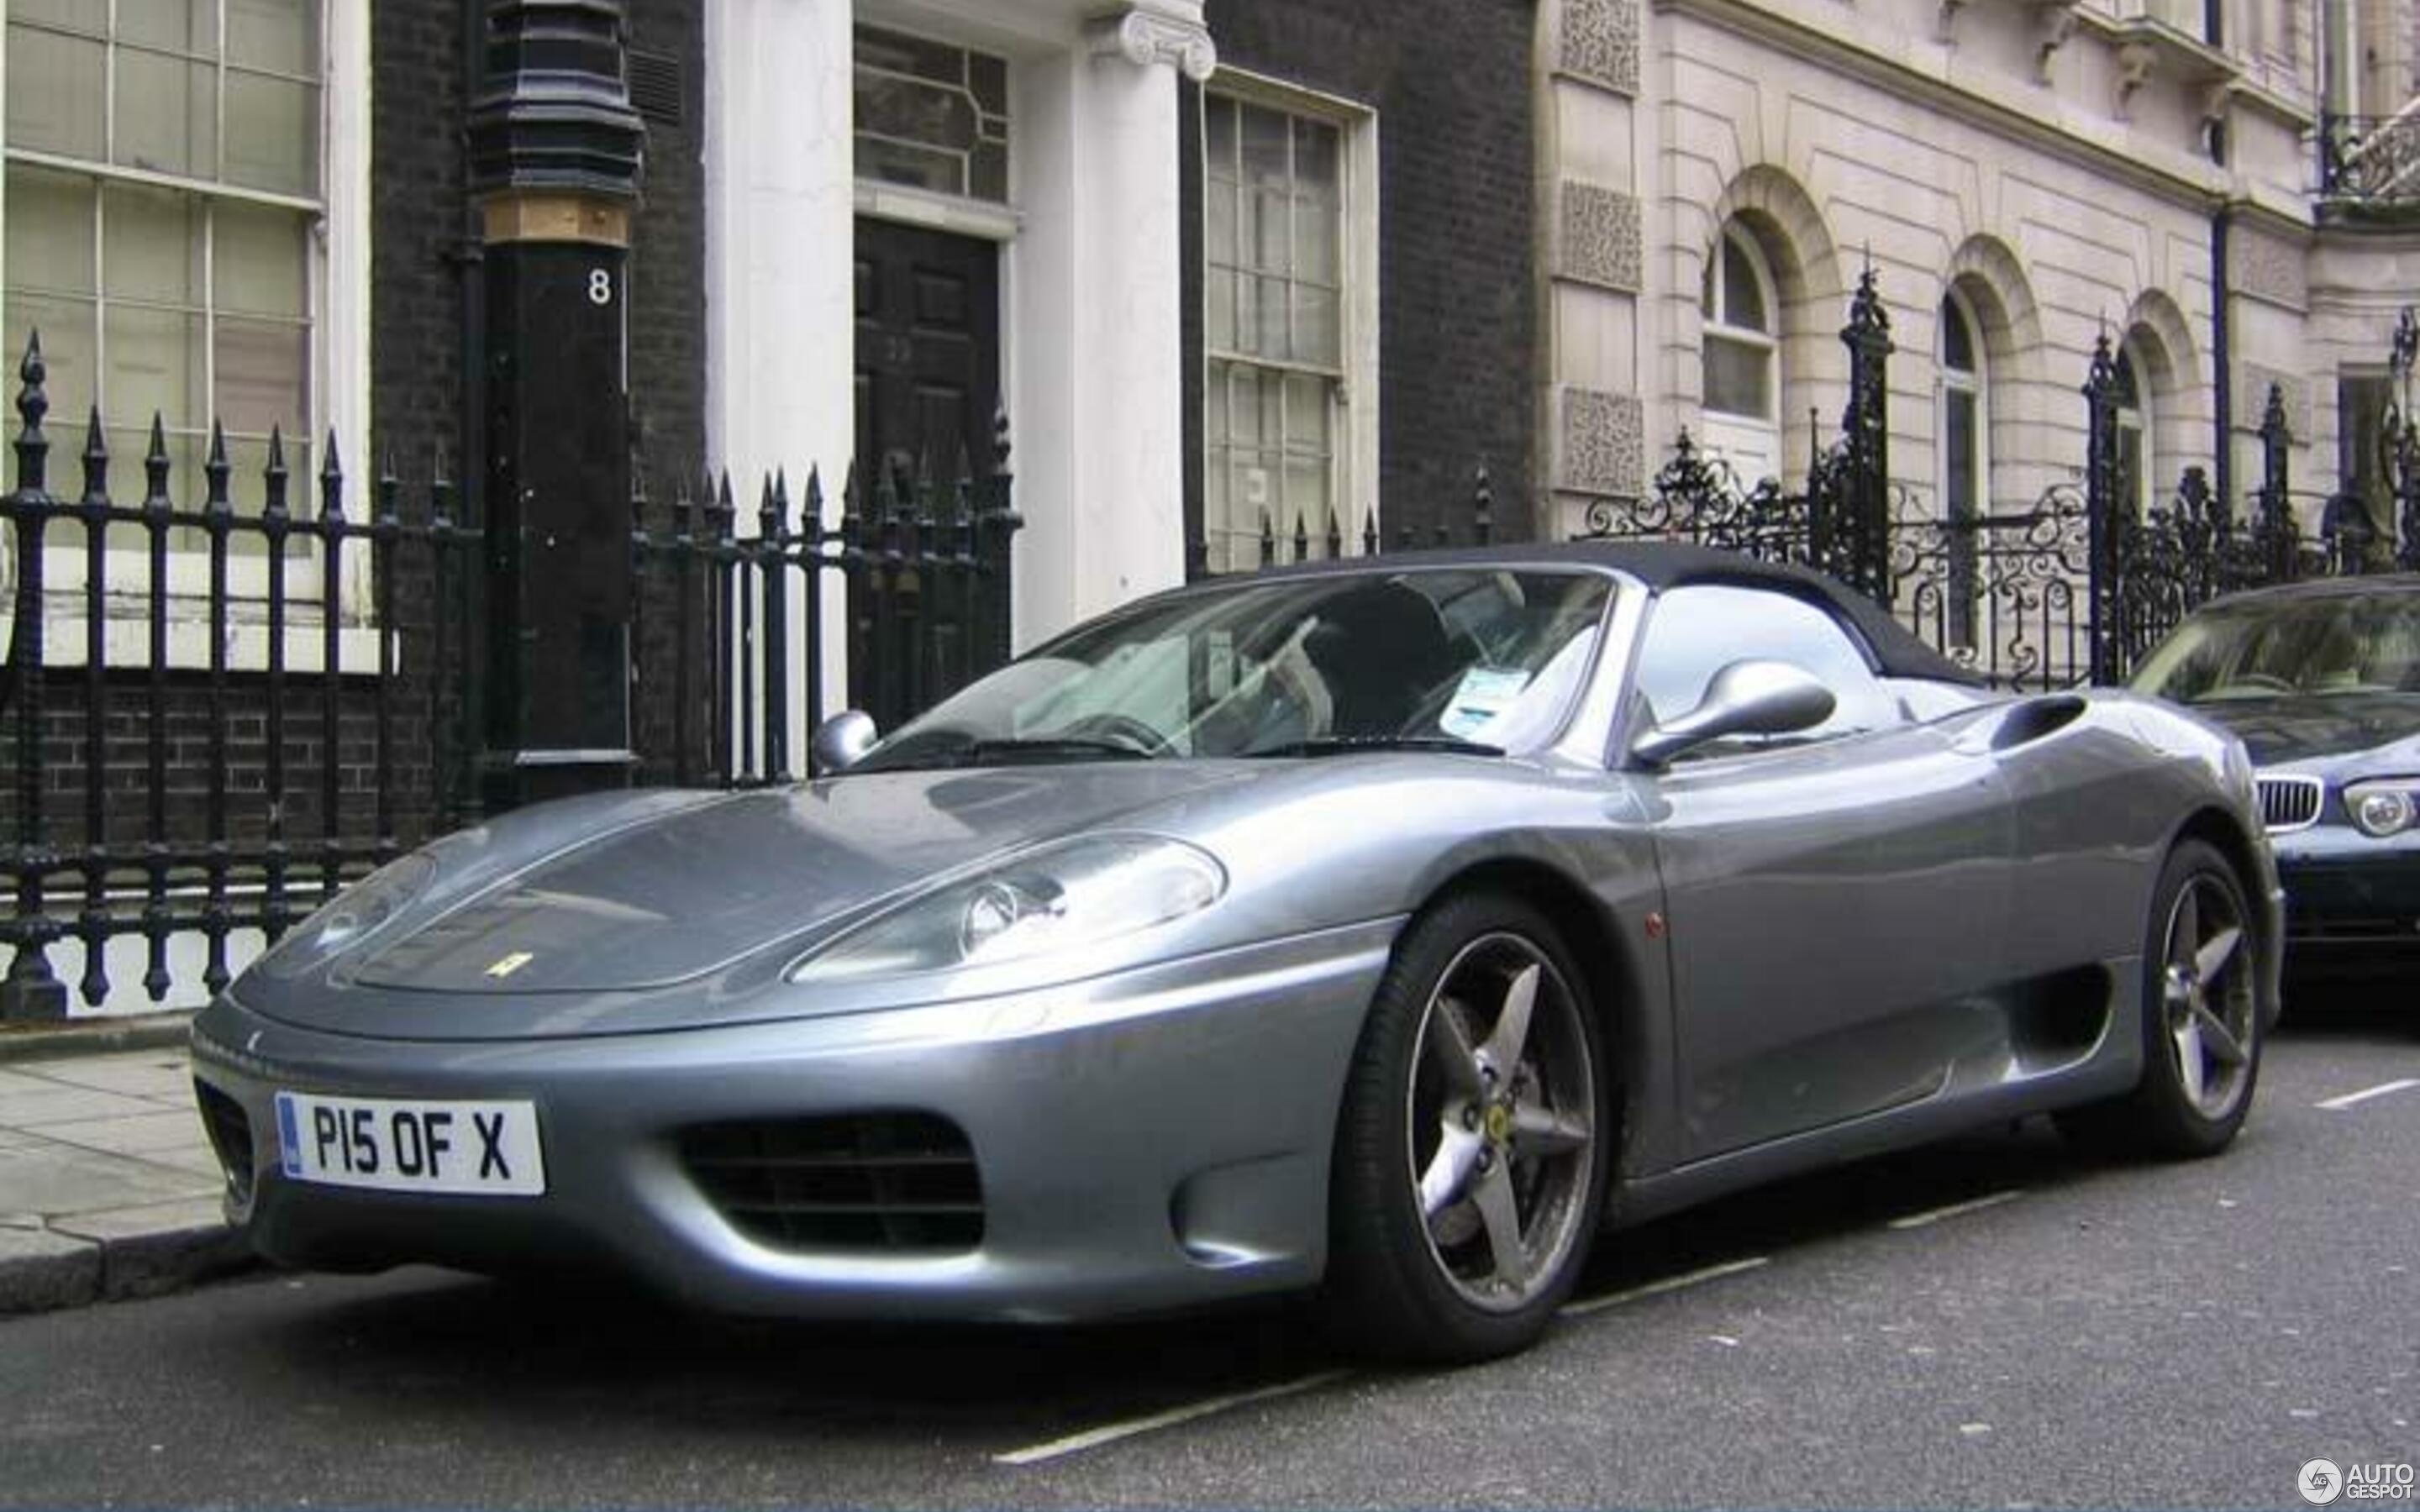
134,1134
197,1161
56,1103
157,1074
56,1179
114,1223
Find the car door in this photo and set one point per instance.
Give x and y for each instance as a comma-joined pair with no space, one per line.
1836,898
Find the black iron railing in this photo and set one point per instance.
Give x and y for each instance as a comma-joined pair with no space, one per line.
729,628
154,799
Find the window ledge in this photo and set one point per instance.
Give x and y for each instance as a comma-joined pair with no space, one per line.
126,643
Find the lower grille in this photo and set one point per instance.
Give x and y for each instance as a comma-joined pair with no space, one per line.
883,1182
2290,802
230,1132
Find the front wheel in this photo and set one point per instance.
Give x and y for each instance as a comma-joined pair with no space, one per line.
2201,1017
1470,1153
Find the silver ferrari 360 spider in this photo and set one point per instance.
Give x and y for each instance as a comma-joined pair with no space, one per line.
1389,927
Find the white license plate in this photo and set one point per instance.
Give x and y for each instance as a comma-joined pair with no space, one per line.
394,1145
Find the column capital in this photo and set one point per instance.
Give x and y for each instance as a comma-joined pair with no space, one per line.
1151,32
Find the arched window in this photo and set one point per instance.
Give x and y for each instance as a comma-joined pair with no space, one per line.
1963,461
2133,421
1742,356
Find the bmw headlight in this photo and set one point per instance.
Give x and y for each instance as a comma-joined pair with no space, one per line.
2384,808
351,917
1061,897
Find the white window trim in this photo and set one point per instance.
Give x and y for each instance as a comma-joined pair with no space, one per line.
1356,460
1727,435
2138,419
1976,381
340,358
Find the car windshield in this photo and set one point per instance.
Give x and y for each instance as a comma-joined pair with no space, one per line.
2330,645
1474,659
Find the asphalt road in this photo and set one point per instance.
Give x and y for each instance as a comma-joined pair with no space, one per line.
1997,1324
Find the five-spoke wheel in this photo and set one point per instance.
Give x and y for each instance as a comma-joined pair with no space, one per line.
1469,1158
2201,1017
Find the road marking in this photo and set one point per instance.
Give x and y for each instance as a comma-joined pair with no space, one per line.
1670,1283
2336,1105
1956,1209
1112,1432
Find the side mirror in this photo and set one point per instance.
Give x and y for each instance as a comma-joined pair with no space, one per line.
840,742
1745,697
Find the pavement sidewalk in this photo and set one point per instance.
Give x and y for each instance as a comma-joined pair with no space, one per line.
108,1187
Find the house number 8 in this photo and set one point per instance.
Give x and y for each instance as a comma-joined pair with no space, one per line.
601,286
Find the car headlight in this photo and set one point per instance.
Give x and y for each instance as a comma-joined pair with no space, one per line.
2384,808
1061,897
349,918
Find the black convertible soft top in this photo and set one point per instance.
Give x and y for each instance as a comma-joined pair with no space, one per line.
1894,651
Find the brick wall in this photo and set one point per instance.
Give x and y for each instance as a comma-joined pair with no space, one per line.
1449,80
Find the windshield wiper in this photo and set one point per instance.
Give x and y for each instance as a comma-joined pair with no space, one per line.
1344,744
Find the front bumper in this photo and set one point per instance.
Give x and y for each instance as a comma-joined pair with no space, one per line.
2352,903
1156,1138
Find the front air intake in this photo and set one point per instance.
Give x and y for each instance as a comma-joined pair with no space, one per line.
899,1182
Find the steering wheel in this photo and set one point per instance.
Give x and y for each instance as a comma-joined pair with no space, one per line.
2260,680
1117,728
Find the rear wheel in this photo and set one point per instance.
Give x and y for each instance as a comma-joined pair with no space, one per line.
1470,1154
2201,1019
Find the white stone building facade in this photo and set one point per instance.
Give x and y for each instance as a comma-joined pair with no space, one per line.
2022,176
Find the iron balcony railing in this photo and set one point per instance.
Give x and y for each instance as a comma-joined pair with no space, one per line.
2372,161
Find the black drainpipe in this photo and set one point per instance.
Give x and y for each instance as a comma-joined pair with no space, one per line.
2222,294
470,464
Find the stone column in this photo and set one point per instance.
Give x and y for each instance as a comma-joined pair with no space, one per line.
555,151
1096,316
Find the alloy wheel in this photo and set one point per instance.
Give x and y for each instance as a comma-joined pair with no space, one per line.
1502,1122
2205,990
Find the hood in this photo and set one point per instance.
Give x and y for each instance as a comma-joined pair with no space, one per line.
2313,730
681,895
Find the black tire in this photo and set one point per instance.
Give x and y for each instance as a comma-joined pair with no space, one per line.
2201,1021
1533,1140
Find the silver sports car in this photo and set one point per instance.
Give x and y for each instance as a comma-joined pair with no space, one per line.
1389,927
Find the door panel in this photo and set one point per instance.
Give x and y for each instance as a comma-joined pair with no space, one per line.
1838,914
927,347
927,387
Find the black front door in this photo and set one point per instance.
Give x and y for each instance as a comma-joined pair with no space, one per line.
928,386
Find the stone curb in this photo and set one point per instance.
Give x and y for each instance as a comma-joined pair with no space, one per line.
53,1041
45,1270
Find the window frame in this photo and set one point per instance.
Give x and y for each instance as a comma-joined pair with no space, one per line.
1732,433
1354,392
337,380
1971,383
2133,423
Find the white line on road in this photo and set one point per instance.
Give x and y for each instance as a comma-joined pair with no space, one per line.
2336,1105
1112,1432
1957,1210
1670,1283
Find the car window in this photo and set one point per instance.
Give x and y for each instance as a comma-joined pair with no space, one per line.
1488,656
1695,631
2333,644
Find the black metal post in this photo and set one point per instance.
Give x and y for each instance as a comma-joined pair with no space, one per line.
32,989
2100,507
1866,431
2402,440
2274,523
555,154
